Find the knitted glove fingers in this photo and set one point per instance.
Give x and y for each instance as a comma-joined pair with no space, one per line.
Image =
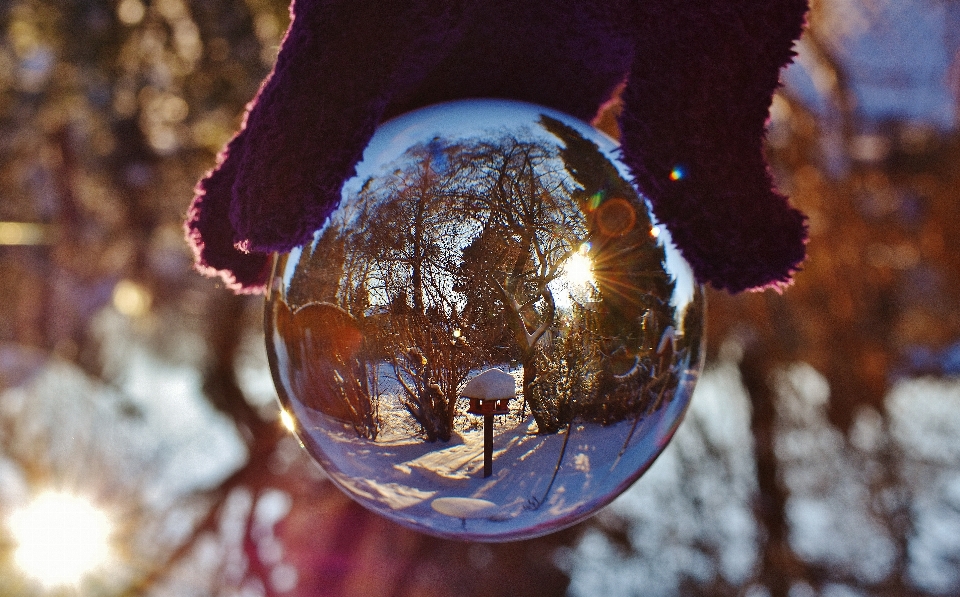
281,176
693,122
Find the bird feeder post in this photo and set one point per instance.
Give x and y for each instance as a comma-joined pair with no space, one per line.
487,445
490,394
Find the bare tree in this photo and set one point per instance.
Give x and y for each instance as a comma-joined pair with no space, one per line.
532,225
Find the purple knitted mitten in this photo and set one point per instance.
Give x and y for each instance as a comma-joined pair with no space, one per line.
700,77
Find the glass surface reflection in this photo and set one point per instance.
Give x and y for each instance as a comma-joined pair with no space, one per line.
490,338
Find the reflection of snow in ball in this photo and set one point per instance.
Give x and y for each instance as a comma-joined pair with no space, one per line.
459,507
489,258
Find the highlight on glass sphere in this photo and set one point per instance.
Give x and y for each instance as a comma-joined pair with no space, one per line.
490,339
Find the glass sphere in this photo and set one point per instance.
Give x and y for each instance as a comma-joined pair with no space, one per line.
490,338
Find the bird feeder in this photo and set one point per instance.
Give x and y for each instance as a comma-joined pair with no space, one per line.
490,394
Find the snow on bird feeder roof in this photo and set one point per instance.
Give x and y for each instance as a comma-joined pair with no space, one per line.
492,384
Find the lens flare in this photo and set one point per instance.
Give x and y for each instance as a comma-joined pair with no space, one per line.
60,538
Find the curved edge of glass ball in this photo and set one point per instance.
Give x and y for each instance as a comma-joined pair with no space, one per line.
491,338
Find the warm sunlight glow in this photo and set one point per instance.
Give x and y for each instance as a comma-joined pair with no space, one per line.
23,233
131,12
131,299
60,538
579,268
287,420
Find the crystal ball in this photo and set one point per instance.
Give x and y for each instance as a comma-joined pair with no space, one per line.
491,337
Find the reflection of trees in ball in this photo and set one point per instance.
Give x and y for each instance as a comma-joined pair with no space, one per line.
449,260
324,345
408,245
399,242
629,269
531,226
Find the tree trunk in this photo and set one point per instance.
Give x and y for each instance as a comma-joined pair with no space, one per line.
779,565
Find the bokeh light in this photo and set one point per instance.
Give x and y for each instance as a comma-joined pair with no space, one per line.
60,538
131,299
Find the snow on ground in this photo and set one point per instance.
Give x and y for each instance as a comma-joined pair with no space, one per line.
403,477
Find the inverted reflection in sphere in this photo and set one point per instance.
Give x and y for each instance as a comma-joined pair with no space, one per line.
489,339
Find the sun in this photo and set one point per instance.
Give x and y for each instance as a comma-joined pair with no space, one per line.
60,538
578,269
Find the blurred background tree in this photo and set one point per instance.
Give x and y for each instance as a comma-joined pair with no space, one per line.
819,458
